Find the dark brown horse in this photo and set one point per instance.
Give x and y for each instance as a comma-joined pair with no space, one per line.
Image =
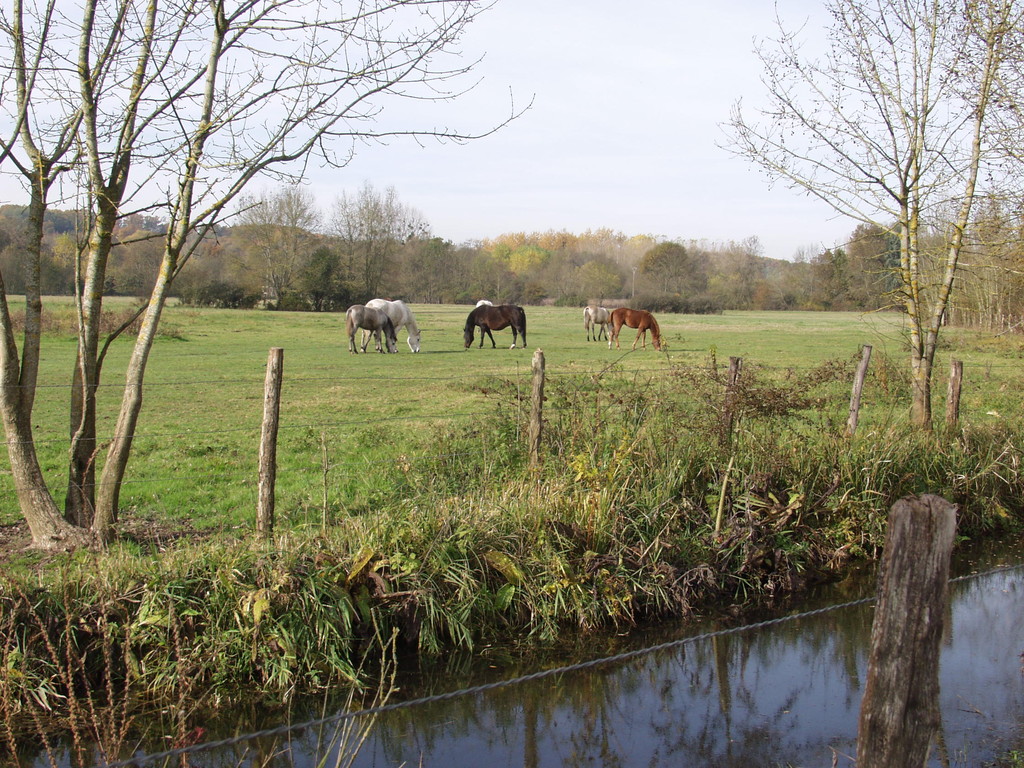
640,319
493,318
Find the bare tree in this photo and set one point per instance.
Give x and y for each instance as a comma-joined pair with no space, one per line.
280,232
913,103
182,105
372,227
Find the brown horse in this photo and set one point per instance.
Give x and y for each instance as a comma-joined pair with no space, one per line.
487,318
640,319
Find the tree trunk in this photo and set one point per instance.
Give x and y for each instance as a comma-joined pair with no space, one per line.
108,498
79,503
921,391
17,396
80,497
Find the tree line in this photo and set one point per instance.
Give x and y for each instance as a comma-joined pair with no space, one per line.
282,252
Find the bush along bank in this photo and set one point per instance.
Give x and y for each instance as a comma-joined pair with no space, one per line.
642,509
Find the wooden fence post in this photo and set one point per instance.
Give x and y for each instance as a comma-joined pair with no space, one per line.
956,376
899,714
858,387
268,444
536,408
728,406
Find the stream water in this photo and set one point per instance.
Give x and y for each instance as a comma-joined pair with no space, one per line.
788,694
783,695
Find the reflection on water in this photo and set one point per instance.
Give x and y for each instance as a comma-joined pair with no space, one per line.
787,695
784,695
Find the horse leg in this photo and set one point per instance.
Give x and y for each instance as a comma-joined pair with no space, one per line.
641,333
352,343
487,330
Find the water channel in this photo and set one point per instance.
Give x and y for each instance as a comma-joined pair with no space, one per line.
783,695
788,694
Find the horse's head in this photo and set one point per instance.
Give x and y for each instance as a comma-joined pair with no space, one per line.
467,333
414,340
656,334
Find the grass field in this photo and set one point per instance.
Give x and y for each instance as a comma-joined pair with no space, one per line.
195,451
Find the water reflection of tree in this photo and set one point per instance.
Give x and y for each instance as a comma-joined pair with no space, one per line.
737,700
706,703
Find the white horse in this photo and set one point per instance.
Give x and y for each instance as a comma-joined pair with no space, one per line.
484,302
597,318
401,316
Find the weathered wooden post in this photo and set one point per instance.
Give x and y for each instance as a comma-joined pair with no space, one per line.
899,714
956,376
268,443
858,387
729,404
536,408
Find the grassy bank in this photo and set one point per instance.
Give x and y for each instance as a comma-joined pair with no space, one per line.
407,506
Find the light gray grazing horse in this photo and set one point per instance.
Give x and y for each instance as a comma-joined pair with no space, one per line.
597,318
359,316
401,316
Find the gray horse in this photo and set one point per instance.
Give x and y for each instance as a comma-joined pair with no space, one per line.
358,316
597,319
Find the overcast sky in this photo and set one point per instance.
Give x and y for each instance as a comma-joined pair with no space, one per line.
628,102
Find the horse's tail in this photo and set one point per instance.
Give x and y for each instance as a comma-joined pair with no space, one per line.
350,321
586,318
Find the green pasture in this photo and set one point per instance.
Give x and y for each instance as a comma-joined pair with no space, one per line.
346,417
